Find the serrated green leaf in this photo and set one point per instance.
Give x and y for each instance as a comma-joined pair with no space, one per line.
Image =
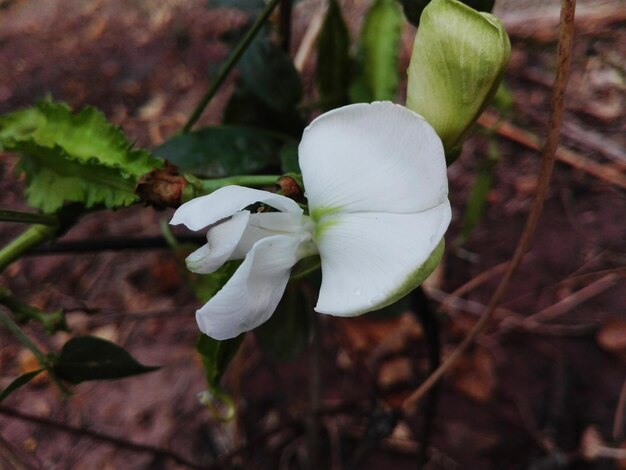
91,358
216,152
380,39
19,382
286,334
333,59
70,157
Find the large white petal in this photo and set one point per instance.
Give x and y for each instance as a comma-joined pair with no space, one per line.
251,295
378,157
221,243
206,210
370,260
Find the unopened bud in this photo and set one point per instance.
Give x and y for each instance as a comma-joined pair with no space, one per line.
459,57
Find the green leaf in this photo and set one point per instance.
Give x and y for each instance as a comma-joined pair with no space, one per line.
413,8
333,59
268,72
285,335
289,158
380,40
91,358
50,321
216,355
245,109
221,151
477,199
69,157
19,382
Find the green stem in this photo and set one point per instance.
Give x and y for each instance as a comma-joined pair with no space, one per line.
198,187
230,63
31,237
7,215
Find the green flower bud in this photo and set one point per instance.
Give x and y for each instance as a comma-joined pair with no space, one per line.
459,57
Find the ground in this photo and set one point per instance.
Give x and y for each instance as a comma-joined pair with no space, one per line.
548,371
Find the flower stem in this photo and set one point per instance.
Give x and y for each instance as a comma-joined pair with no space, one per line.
29,238
7,215
198,187
228,66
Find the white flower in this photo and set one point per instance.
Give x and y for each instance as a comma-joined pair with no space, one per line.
375,179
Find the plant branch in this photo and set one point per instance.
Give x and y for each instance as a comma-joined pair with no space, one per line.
229,65
199,187
31,237
95,435
7,215
564,50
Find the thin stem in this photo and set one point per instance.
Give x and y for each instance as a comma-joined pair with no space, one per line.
7,215
228,66
13,327
564,51
31,237
198,187
314,389
116,441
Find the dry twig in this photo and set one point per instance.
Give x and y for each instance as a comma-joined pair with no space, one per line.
564,51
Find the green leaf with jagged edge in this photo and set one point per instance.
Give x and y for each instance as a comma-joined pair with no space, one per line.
92,358
378,55
69,157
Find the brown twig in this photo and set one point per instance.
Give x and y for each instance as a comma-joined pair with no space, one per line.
619,427
571,301
116,441
509,131
564,51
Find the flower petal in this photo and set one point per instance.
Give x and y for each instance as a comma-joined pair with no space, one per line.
266,225
251,295
377,157
370,260
206,210
221,243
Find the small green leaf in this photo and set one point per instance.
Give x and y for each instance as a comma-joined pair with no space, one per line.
221,151
477,199
91,358
333,59
286,334
69,157
216,355
380,39
19,382
50,321
268,72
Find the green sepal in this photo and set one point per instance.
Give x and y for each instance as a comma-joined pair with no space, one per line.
68,157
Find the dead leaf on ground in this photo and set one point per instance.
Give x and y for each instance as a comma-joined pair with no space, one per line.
474,374
612,337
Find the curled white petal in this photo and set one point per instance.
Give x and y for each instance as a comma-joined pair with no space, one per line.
266,225
206,210
221,243
378,157
369,260
251,295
